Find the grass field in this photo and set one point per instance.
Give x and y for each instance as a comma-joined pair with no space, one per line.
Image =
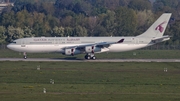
141,54
21,81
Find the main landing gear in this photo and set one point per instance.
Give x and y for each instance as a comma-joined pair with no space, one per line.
89,56
25,55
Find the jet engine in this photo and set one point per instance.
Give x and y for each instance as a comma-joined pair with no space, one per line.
92,49
72,51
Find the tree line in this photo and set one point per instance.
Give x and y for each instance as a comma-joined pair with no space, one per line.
62,18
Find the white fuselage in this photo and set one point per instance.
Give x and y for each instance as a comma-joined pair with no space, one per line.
58,44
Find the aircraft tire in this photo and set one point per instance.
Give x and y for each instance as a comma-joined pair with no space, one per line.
87,57
25,57
94,58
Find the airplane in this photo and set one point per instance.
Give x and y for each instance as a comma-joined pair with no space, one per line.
91,45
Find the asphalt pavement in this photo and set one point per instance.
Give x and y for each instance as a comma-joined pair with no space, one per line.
83,60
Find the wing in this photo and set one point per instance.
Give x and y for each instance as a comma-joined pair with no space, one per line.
101,44
88,48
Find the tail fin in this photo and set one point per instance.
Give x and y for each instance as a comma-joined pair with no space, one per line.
158,27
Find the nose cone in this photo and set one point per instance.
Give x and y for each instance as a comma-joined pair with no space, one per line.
9,46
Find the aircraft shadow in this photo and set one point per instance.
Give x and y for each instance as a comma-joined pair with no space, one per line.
67,58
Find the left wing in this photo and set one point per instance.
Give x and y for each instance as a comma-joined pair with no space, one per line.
88,48
101,44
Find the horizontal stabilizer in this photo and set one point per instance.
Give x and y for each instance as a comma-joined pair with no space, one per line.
161,39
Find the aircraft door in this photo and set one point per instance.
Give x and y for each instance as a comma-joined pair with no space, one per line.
23,43
56,42
135,40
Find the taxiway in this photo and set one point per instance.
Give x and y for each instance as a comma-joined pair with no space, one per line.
82,60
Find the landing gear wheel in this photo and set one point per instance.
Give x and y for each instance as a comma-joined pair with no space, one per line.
87,57
25,56
90,56
94,58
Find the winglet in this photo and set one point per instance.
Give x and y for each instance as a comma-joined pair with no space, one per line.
120,41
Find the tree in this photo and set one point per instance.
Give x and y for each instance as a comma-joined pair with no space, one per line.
68,31
53,21
140,5
58,31
80,20
24,4
126,20
67,21
21,18
48,8
80,31
3,35
91,24
100,31
14,33
41,26
144,20
178,10
175,32
61,4
165,5
77,6
169,3
124,2
111,4
28,32
8,19
109,22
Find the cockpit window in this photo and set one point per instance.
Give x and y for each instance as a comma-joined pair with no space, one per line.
14,42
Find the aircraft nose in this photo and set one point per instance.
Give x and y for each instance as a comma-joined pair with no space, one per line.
9,46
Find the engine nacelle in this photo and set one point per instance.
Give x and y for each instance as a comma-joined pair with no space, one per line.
92,49
72,51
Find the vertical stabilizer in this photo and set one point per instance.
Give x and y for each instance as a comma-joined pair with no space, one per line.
158,27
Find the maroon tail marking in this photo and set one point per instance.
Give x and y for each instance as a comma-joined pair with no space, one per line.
160,28
120,41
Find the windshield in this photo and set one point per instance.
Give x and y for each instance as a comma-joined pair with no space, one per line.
14,42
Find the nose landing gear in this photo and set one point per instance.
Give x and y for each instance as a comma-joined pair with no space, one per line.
25,55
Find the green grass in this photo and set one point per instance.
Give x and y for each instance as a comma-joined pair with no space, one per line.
141,54
89,81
